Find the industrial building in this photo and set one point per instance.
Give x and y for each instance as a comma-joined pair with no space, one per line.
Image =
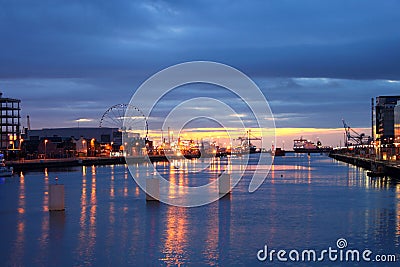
10,115
385,118
76,141
100,134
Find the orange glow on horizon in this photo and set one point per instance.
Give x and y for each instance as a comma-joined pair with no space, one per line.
328,136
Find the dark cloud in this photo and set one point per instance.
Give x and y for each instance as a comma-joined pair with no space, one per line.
74,59
346,39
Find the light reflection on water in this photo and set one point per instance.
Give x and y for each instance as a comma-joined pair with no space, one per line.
305,202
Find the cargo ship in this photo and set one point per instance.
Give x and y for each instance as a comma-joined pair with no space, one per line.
306,146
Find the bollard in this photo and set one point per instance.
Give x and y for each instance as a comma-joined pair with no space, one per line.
224,184
152,189
56,197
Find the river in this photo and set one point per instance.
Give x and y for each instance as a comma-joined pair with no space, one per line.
305,203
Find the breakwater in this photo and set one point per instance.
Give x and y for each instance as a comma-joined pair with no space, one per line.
389,168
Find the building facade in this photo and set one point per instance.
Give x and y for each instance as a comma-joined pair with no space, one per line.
10,115
101,135
397,122
385,118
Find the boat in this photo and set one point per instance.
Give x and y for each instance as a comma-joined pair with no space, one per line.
279,152
5,171
306,146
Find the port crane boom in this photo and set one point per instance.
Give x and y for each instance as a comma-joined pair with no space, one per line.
249,137
354,138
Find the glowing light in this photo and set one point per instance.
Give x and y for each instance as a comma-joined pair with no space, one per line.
83,120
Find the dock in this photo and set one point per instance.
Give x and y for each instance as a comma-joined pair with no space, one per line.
37,164
388,168
40,164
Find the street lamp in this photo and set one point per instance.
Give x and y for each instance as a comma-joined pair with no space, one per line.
83,147
45,148
20,148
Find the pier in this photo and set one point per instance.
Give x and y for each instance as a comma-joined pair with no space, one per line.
38,164
388,168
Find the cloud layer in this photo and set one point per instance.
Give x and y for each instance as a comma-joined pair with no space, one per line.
315,61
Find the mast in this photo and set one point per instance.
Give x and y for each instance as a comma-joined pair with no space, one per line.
372,119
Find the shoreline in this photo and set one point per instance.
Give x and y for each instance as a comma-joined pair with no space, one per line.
388,168
37,164
40,164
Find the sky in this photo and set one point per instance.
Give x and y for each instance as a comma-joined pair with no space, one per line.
316,62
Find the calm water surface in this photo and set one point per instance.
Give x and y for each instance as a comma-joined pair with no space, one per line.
306,203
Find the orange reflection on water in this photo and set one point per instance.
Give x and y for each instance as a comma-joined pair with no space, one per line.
46,192
273,173
112,189
398,210
137,191
87,222
21,227
112,192
172,180
43,240
211,244
126,174
18,250
181,182
83,203
176,243
21,196
93,199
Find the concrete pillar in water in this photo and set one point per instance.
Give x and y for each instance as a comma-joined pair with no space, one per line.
152,189
56,197
224,184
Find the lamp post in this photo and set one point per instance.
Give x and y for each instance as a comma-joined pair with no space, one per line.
20,147
92,147
83,147
45,148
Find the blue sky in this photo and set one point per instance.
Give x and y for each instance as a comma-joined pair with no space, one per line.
315,61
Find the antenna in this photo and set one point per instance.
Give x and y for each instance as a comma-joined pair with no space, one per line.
169,134
372,119
28,120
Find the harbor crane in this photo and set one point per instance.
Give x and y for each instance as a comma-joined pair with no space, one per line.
249,137
28,121
354,138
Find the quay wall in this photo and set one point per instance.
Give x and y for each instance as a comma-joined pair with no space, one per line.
388,168
38,164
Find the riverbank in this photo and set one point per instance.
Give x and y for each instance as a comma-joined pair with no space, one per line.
388,168
40,164
37,164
